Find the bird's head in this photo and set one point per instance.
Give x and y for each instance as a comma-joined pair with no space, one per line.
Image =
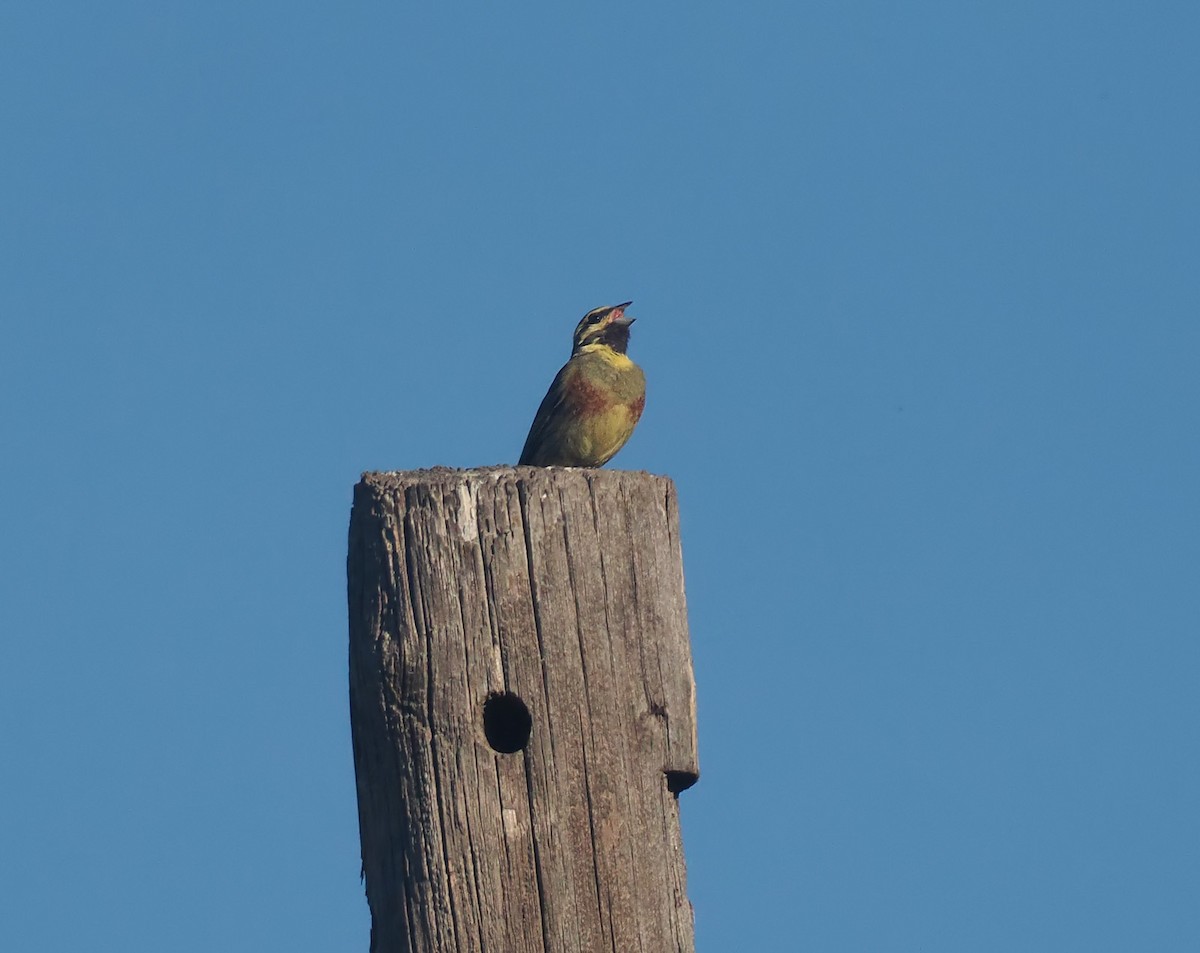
607,325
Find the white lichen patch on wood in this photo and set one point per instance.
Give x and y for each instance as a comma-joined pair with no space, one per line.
468,526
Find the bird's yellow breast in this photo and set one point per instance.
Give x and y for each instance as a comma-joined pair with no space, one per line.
589,411
606,392
607,355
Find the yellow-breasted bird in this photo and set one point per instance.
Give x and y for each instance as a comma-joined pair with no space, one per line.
595,401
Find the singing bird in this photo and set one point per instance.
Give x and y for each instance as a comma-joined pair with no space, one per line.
595,401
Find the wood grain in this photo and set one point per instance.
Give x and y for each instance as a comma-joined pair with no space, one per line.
563,588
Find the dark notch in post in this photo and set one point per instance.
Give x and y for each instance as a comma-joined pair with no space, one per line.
523,710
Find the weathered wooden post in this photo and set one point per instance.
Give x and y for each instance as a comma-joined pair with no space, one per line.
523,710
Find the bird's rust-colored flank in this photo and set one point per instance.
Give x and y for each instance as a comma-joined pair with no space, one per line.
594,402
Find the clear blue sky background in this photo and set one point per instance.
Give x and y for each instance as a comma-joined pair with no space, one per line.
919,303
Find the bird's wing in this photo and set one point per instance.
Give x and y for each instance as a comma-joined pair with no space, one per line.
550,410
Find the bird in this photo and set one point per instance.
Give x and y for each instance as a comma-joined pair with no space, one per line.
595,400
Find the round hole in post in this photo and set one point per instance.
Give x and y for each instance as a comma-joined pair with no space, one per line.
506,722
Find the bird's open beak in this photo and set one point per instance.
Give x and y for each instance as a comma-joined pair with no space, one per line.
618,315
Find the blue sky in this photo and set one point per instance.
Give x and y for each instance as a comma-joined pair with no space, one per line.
918,304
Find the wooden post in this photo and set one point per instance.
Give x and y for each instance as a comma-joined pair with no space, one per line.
523,710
